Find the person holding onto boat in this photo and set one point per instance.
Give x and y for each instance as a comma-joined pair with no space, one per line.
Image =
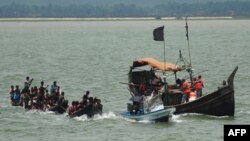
186,88
199,86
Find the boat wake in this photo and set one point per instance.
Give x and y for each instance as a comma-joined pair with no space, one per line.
108,115
176,119
200,115
141,121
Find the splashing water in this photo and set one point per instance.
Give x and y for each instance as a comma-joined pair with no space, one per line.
176,118
109,115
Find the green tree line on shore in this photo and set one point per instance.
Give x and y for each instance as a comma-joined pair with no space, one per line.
229,8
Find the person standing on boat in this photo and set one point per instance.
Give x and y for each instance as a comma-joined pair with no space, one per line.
61,99
199,86
186,88
27,84
47,100
41,94
83,103
17,96
86,96
25,100
53,88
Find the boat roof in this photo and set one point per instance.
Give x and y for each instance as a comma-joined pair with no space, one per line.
156,64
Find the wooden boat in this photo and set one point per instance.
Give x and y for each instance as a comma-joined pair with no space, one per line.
143,82
60,109
89,110
218,103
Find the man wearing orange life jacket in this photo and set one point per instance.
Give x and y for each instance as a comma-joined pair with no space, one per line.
186,88
198,86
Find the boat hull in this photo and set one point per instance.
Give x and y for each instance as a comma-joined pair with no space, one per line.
90,111
60,109
218,103
158,116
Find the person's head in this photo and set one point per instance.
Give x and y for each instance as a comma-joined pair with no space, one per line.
17,87
42,83
27,78
62,93
91,99
87,92
54,82
199,77
12,87
178,81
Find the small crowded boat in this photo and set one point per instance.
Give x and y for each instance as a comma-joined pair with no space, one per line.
87,106
34,98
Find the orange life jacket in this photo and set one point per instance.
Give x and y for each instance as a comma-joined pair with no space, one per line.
186,87
192,94
199,84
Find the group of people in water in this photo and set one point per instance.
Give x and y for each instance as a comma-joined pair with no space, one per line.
40,98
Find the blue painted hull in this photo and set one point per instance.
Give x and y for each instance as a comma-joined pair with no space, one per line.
158,116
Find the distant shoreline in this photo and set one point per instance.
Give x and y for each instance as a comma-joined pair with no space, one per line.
120,19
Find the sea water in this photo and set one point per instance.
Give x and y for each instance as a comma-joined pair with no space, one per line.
96,56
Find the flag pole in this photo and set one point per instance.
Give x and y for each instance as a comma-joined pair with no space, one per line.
190,62
164,55
164,73
158,34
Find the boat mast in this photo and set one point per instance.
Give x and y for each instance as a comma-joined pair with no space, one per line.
189,69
